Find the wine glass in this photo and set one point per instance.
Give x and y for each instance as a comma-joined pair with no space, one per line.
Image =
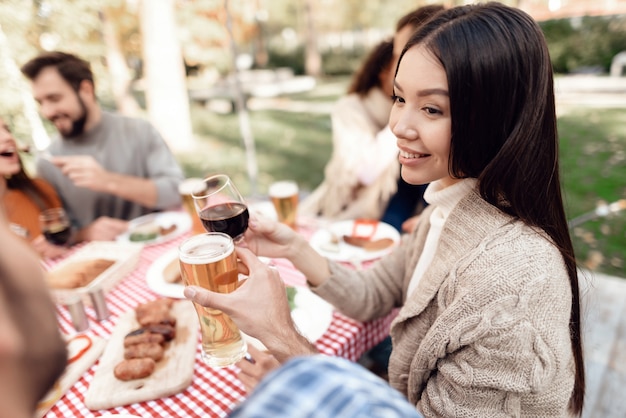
221,207
55,226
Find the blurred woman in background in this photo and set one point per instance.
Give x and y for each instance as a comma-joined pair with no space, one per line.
24,198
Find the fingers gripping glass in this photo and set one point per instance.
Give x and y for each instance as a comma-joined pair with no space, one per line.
221,207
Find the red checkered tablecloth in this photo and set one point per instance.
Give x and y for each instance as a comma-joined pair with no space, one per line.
213,392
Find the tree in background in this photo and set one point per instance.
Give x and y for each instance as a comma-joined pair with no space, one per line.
166,91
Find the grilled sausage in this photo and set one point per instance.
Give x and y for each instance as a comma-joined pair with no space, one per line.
134,368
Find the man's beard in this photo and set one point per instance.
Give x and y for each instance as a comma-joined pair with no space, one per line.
78,125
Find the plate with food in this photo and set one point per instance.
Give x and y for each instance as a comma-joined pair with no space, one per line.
98,264
150,355
156,228
163,276
360,239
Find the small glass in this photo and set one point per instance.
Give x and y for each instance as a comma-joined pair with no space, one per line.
284,197
185,189
209,261
55,226
221,207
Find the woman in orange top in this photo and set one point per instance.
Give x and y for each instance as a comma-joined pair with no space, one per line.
23,197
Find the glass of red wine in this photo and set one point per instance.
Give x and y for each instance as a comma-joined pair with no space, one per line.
55,226
221,207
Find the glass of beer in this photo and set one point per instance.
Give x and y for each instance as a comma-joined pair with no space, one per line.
185,189
284,196
209,261
221,207
55,226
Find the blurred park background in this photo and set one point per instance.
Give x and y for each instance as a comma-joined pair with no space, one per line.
245,87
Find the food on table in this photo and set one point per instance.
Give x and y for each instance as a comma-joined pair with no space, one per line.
155,312
364,228
366,244
167,331
291,296
145,346
150,231
152,350
77,273
143,336
164,230
136,368
171,272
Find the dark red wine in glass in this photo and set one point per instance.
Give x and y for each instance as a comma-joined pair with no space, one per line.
58,234
230,218
55,226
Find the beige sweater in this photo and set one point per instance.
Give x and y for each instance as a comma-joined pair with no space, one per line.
485,333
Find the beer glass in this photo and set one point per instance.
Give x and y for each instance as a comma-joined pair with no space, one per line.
55,226
284,196
221,207
209,261
185,189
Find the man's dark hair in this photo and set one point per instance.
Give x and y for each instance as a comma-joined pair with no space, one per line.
72,68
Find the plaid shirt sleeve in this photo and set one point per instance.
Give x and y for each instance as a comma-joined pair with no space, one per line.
322,386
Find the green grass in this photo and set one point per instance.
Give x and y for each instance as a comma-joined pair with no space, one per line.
593,167
298,145
288,146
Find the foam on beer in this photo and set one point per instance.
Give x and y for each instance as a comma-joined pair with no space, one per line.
282,189
205,249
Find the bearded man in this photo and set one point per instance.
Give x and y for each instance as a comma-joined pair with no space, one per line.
106,168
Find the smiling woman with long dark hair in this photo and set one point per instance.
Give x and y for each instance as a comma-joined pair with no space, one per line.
489,319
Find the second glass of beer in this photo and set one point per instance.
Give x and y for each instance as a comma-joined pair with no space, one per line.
209,261
185,189
284,196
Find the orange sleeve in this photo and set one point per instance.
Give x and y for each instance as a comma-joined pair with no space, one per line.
22,211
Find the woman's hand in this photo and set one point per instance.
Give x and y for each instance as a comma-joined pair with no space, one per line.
259,307
252,371
269,238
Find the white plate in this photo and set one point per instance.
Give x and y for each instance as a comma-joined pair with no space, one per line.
321,241
311,314
156,281
163,219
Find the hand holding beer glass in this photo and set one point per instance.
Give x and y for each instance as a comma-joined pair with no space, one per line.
221,207
209,261
284,196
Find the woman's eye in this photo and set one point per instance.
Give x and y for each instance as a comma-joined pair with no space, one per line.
397,99
432,111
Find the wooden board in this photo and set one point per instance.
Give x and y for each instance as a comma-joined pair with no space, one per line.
173,373
74,370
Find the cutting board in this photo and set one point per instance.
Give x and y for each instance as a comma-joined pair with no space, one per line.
173,373
85,356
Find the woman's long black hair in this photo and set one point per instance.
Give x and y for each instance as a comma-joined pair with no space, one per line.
504,129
